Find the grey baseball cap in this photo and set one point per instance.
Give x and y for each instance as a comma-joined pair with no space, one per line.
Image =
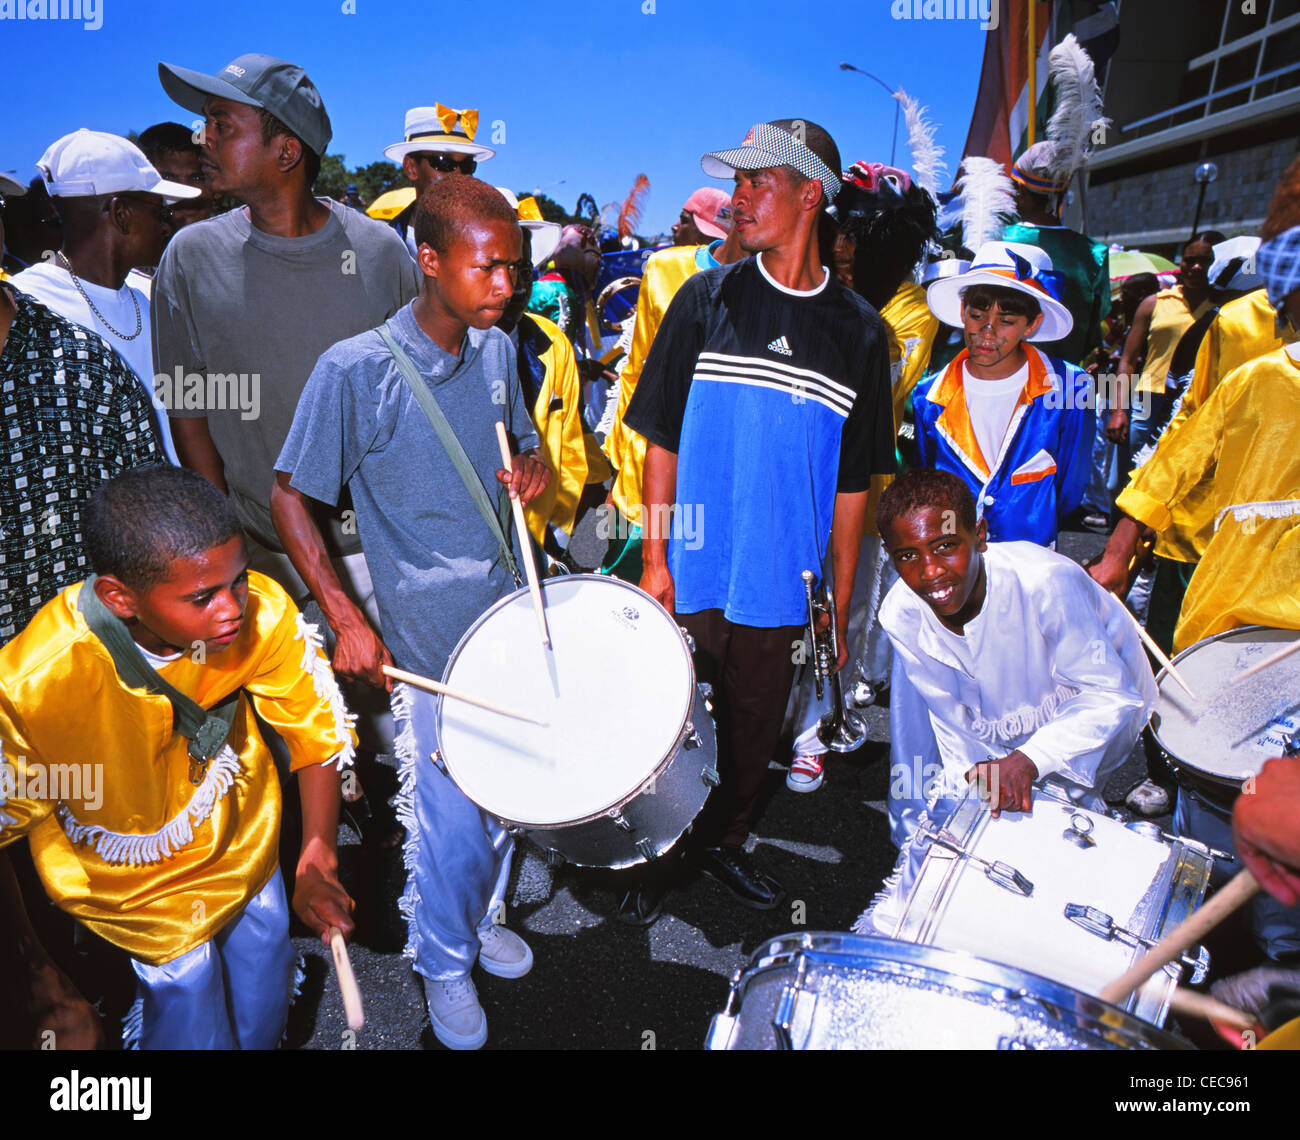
258,80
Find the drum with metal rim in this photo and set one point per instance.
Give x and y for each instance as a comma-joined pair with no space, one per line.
628,755
822,990
1218,740
1064,892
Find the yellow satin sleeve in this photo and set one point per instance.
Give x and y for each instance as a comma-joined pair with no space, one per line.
1239,446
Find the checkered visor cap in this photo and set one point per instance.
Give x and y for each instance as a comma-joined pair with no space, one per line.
1278,262
766,146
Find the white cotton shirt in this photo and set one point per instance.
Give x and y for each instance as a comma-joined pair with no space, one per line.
51,285
991,404
1052,665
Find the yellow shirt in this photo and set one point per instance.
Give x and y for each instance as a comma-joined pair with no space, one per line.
570,451
1244,329
911,328
1243,439
665,273
98,781
1169,320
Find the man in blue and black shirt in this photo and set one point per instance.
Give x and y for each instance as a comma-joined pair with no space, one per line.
765,402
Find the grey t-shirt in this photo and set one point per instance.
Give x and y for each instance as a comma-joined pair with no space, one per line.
435,563
231,303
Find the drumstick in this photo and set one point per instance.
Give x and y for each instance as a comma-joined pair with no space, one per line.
1272,659
1209,1008
1188,932
1159,655
525,549
347,981
438,687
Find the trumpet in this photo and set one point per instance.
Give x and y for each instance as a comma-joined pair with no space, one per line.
840,729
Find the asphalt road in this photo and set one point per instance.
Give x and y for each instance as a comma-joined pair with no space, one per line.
598,983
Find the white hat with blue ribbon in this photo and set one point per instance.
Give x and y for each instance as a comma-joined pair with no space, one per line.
1006,265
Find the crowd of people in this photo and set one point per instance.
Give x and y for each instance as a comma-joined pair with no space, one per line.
253,466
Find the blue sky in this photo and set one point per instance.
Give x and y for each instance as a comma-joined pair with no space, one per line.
592,92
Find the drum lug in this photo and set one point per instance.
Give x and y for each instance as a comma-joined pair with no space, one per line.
692,738
686,637
705,690
710,777
646,846
554,858
1198,965
621,821
783,1015
514,831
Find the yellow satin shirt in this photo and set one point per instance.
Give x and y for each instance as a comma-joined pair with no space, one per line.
95,777
1244,329
1169,320
570,451
911,328
665,273
1242,439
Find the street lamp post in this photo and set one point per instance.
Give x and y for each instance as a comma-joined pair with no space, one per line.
893,147
1206,173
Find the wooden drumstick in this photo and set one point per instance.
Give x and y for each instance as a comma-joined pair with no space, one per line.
1187,933
1159,655
347,981
1271,659
525,548
1194,1004
438,687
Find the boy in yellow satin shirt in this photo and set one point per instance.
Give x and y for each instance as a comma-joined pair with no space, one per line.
134,766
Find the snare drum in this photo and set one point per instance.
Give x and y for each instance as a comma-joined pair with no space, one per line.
1220,740
628,756
850,991
1063,892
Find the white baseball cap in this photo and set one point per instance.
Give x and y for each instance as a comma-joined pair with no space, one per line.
92,163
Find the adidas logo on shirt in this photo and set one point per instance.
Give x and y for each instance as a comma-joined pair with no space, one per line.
782,346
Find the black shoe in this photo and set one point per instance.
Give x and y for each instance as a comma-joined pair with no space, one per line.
738,872
641,905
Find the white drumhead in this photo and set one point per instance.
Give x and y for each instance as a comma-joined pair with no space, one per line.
625,683
1232,728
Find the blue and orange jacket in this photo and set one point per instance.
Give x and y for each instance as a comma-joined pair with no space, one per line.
1046,455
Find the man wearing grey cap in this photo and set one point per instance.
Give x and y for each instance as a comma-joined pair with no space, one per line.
765,403
110,200
246,302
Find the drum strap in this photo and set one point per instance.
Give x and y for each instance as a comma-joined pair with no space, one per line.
455,450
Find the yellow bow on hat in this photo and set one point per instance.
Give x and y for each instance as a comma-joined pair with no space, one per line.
448,117
528,210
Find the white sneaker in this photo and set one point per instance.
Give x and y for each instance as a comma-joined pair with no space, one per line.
503,952
805,773
457,1018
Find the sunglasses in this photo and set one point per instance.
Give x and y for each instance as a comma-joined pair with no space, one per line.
446,163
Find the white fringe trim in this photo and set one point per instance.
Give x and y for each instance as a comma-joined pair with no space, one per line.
315,664
133,1024
138,850
1023,720
889,897
408,758
1272,509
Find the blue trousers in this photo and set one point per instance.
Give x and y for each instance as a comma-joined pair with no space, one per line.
232,992
457,856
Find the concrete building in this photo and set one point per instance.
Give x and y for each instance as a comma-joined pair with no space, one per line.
1194,81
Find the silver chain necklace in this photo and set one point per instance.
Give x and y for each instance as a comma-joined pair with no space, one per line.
139,324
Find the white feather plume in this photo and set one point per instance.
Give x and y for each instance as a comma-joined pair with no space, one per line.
1078,107
986,200
927,156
